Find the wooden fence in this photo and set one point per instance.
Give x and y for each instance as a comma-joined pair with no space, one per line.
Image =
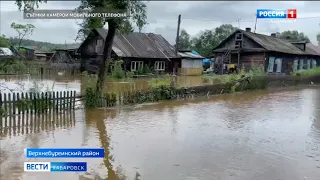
12,104
35,123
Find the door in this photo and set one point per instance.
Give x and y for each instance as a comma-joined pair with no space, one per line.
175,68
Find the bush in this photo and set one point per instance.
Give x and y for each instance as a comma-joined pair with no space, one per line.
308,73
117,71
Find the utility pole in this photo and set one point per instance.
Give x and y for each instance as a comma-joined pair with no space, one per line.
255,24
178,33
239,22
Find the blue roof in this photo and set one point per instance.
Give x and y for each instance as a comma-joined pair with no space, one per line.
26,47
195,52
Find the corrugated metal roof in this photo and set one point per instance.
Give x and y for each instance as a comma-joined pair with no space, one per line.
313,49
190,55
269,43
273,43
144,45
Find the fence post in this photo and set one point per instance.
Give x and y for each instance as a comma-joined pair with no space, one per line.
74,100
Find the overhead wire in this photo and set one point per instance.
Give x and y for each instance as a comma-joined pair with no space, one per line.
230,21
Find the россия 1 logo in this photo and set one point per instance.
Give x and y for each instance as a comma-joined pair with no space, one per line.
277,16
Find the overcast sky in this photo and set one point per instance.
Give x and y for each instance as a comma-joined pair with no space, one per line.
162,18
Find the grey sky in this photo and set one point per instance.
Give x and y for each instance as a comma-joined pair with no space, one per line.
162,18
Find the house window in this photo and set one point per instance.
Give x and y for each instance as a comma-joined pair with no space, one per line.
301,64
314,63
271,64
136,65
159,65
279,65
308,64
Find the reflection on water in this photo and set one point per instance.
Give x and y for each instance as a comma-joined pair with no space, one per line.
252,135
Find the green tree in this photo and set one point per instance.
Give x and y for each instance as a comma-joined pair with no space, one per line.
126,27
204,42
138,15
4,42
184,40
224,31
318,38
207,40
293,36
23,30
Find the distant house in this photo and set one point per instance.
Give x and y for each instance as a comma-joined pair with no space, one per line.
62,59
135,49
246,49
191,63
29,52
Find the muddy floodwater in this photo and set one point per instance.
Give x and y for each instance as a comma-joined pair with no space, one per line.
262,135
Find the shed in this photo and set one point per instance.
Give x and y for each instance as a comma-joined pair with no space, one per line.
191,63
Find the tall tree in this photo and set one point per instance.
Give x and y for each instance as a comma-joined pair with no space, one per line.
293,36
223,31
207,40
138,15
318,38
23,30
184,40
204,42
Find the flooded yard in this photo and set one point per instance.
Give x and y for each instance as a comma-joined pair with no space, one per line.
267,135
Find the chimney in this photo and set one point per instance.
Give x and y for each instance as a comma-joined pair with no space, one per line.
248,29
273,34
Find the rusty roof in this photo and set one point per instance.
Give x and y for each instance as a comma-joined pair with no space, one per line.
269,43
143,45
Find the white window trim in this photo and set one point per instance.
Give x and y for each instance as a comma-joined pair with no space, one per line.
135,65
278,62
159,65
271,64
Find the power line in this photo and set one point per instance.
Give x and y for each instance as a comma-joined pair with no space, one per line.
232,21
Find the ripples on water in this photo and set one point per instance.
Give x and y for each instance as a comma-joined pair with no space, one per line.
246,136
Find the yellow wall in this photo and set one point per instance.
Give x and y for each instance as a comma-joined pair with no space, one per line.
190,71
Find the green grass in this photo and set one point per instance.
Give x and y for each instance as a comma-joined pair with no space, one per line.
309,72
165,81
217,79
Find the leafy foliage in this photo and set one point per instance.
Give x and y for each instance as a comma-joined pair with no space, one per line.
206,40
23,31
309,72
318,38
4,42
293,36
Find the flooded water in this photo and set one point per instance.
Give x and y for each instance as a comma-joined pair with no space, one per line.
62,83
264,135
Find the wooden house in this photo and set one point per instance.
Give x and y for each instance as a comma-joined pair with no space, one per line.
191,63
135,49
62,59
28,52
246,49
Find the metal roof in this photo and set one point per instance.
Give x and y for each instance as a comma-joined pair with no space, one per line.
313,49
269,43
190,55
143,45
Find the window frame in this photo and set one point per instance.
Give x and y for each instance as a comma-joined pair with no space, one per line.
160,65
135,65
